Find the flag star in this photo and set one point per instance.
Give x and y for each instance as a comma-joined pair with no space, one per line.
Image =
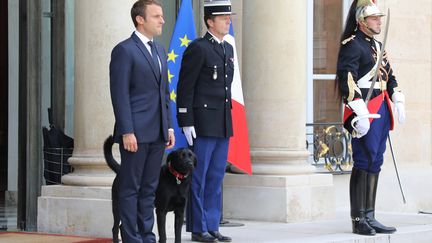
170,76
184,41
173,96
172,56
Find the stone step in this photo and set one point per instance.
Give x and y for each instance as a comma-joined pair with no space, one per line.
412,228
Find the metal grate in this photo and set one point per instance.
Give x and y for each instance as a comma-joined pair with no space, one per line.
55,164
330,146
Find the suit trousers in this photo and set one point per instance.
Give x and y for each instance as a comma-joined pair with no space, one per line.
138,180
205,201
368,151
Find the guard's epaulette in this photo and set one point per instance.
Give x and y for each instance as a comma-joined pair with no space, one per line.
348,39
211,39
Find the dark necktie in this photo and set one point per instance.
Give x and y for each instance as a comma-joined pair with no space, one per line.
223,47
154,56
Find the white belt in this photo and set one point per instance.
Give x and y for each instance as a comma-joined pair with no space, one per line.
382,85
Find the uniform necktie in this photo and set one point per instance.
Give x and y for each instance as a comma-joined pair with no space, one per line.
154,56
223,47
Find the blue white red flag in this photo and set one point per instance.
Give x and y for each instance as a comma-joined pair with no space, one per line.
238,151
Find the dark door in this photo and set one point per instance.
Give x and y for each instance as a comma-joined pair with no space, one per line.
3,97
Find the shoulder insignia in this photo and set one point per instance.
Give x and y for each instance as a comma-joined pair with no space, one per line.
354,90
348,39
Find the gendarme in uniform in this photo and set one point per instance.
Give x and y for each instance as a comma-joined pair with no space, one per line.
204,114
204,87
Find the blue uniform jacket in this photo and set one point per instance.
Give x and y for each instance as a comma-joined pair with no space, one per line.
357,56
204,88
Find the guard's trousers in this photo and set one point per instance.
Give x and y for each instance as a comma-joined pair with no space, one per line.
368,151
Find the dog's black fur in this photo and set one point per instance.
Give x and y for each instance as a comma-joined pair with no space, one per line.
171,194
112,163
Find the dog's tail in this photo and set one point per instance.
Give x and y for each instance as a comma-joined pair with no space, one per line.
109,158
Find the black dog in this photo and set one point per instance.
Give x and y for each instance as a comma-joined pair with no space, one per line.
112,163
171,194
173,190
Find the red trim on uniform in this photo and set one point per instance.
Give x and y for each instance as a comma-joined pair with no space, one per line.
373,107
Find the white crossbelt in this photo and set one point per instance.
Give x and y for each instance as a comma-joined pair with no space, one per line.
366,80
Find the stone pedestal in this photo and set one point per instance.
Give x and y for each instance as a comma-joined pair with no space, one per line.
82,206
294,198
75,210
283,186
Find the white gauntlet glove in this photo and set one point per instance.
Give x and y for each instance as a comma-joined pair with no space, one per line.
361,122
399,106
190,134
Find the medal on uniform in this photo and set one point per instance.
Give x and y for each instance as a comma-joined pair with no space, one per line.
215,72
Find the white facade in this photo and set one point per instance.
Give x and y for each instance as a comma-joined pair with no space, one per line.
276,49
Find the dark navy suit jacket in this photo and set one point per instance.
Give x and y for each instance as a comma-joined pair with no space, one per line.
139,95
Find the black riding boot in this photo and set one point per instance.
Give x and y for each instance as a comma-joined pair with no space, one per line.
358,203
372,183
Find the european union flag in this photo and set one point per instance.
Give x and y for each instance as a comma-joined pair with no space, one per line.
184,33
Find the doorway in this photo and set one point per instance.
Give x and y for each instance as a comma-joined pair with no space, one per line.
3,111
3,98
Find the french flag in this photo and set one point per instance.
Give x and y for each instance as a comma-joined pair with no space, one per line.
238,151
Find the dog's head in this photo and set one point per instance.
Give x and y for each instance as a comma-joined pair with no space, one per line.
182,160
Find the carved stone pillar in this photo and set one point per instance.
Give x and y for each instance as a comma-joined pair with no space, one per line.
284,186
82,205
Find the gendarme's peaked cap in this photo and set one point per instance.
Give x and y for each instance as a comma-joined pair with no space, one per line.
217,7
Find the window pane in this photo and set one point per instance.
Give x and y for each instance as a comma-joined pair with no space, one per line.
327,27
327,105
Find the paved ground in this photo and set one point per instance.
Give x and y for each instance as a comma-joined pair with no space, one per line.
412,228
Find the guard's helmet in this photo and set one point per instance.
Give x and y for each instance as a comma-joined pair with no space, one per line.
217,7
367,8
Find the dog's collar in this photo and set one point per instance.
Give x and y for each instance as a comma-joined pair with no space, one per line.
176,174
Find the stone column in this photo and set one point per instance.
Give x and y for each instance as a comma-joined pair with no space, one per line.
284,186
99,26
82,206
274,71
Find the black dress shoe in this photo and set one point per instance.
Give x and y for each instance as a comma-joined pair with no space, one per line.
220,237
203,237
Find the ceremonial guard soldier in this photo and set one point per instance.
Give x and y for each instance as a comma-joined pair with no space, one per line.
357,63
204,114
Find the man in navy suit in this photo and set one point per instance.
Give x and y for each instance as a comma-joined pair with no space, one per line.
204,113
140,99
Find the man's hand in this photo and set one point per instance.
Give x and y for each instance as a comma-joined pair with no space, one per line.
190,134
171,139
130,143
362,127
399,106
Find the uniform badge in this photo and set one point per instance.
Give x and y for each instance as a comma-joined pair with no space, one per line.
215,72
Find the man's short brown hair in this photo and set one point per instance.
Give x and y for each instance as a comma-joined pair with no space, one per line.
139,9
207,17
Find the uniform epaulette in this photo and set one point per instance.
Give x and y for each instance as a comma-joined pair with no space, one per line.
348,39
